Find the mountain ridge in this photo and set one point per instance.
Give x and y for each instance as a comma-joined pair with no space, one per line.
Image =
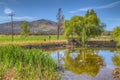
41,26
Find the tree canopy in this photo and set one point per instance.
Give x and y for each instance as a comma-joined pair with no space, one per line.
116,34
116,31
25,30
84,26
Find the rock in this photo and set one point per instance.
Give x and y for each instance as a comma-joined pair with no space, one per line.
116,73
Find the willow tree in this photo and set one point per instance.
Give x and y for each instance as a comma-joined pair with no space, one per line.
84,26
116,34
73,26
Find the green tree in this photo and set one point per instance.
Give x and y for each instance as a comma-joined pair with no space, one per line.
84,26
68,30
116,34
73,26
25,30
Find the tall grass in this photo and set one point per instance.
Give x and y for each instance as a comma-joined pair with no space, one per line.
17,63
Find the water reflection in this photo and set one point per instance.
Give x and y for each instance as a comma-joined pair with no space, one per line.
83,61
116,58
116,62
87,64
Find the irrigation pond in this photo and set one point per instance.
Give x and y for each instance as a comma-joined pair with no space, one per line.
87,64
17,63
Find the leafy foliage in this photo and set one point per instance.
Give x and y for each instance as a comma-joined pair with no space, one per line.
116,34
25,30
84,26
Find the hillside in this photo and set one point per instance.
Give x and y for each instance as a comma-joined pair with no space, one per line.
36,27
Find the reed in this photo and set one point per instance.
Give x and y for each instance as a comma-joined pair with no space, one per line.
17,63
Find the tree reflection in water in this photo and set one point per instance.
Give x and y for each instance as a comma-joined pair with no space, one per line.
116,62
116,58
83,61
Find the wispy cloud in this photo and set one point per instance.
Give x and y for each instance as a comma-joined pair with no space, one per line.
113,19
14,1
81,9
8,11
25,18
2,3
18,18
111,5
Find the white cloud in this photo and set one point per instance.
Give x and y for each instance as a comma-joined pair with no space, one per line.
99,7
8,11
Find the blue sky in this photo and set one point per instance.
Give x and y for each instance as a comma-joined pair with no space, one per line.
107,10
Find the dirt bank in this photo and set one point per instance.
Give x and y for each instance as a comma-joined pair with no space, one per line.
67,44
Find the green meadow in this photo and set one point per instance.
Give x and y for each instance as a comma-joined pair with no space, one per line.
18,38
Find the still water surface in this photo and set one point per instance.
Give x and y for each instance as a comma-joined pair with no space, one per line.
86,64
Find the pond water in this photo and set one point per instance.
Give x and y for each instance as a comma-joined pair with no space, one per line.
86,64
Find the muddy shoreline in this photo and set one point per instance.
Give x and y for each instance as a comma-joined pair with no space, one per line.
90,44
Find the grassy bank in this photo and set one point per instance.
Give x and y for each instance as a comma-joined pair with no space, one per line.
25,64
32,43
34,38
31,40
42,40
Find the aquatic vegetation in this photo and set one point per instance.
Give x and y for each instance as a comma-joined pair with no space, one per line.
26,64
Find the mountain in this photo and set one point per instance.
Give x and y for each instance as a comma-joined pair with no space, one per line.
36,27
